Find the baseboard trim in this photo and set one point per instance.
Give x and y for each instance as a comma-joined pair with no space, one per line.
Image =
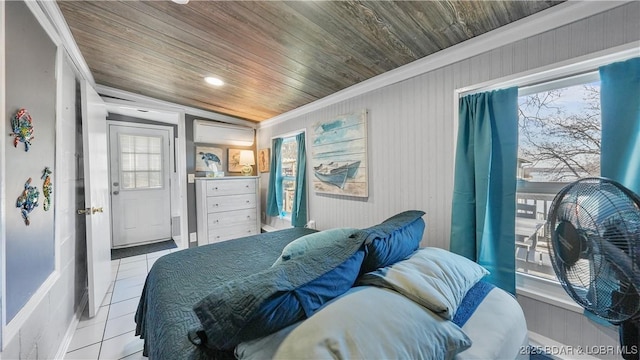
71,329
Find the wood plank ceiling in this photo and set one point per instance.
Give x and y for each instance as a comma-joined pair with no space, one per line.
273,56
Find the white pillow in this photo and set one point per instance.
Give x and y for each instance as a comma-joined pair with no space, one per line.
364,323
434,278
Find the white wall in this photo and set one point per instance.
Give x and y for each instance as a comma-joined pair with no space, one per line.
411,138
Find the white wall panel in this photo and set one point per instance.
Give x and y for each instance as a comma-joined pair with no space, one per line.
411,144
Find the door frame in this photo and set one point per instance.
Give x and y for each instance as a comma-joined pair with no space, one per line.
173,169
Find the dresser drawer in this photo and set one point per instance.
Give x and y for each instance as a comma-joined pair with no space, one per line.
231,202
231,187
232,232
245,218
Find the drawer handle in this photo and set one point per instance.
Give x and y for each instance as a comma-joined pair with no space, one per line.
248,201
216,204
215,188
248,216
217,221
247,186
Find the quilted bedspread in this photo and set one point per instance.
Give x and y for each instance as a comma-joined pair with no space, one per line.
179,280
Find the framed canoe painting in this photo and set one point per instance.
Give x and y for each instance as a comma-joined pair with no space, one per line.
339,155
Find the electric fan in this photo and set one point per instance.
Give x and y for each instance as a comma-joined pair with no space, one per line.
595,252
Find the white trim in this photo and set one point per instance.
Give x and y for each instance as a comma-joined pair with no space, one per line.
149,101
58,156
51,9
181,166
3,198
537,23
71,329
43,19
547,291
290,134
13,327
569,67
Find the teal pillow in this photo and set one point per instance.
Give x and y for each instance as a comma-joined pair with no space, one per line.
321,239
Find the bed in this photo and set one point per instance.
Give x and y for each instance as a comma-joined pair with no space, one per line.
261,297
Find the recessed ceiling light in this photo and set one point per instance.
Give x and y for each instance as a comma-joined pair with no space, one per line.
214,81
181,2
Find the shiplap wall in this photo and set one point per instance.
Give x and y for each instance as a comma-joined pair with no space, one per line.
411,140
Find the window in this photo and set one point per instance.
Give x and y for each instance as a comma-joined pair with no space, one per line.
558,142
140,162
289,154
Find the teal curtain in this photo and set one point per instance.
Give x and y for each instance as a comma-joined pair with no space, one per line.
299,208
620,109
274,193
483,209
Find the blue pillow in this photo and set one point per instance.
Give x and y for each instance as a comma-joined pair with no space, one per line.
321,239
260,304
392,240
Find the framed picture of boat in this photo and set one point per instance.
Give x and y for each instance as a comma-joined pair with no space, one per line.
339,155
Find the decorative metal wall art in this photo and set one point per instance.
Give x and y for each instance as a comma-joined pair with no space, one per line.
22,127
28,200
47,188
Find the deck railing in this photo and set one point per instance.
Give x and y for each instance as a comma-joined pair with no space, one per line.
532,236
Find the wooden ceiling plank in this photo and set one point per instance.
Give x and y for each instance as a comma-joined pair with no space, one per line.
182,46
180,85
212,31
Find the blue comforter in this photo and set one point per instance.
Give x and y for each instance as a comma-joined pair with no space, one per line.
179,280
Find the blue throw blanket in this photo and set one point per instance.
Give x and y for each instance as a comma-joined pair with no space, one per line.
179,280
259,304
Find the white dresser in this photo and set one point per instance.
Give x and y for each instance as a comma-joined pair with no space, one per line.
227,208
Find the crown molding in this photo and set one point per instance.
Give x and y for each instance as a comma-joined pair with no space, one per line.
535,24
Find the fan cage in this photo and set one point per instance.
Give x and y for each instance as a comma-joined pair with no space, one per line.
605,276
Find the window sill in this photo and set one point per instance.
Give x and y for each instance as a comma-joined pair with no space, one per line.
549,292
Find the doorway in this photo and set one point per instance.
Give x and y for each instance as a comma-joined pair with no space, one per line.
141,163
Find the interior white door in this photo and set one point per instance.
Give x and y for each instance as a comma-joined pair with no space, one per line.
96,182
140,184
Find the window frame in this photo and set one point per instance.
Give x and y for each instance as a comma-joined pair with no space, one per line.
541,289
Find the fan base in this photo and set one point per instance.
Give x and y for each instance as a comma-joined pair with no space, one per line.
630,339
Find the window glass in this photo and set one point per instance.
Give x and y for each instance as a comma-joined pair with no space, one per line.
558,142
289,153
140,162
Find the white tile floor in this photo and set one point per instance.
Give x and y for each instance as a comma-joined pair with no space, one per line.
110,334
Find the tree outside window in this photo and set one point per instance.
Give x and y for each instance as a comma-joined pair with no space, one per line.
559,142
